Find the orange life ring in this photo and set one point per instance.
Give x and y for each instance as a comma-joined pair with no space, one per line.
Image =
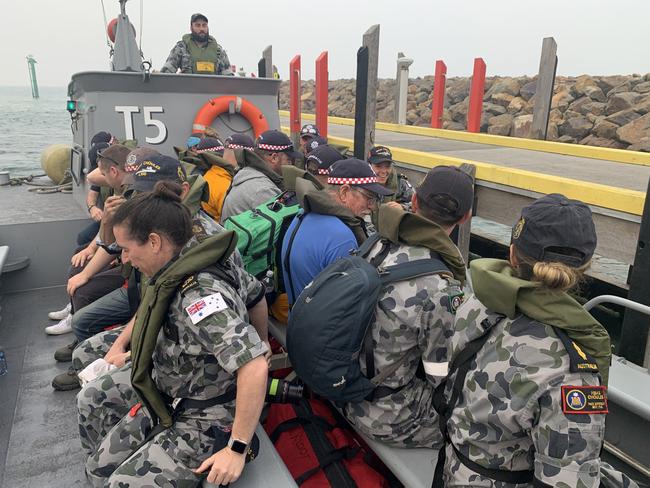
215,107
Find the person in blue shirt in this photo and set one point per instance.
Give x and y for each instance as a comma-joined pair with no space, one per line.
325,230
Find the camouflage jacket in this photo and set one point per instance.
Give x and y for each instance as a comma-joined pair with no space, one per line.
207,335
511,414
180,58
401,188
413,319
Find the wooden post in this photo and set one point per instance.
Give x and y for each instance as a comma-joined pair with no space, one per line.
462,233
294,99
544,90
633,345
359,105
476,96
401,87
267,56
438,102
371,41
322,85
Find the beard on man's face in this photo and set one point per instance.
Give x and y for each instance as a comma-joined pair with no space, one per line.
200,36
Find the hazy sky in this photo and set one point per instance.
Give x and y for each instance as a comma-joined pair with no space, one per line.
593,36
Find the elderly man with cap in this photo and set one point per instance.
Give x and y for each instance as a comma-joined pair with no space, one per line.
413,317
331,223
198,52
381,160
259,177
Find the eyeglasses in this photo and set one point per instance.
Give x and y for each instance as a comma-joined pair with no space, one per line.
371,198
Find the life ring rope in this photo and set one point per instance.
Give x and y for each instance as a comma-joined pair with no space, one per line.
219,105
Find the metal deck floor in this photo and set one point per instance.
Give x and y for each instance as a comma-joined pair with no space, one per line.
39,440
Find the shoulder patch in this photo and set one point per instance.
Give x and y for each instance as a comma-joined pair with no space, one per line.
453,299
205,306
190,283
580,361
584,399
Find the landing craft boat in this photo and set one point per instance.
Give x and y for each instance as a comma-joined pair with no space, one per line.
39,443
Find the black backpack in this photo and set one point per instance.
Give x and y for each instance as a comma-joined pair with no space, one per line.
330,320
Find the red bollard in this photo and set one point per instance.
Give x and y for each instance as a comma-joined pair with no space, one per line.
294,97
322,79
438,103
476,96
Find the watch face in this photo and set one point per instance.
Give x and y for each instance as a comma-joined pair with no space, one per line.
238,446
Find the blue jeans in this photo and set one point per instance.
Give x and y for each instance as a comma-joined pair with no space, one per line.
87,234
111,309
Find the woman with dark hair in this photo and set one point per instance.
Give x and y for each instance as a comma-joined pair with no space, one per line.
198,365
526,397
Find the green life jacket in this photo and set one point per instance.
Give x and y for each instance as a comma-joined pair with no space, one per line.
153,311
291,173
411,229
204,59
498,288
320,202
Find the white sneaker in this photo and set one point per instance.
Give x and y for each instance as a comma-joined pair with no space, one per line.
62,327
60,314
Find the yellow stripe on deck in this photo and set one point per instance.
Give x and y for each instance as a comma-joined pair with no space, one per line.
604,196
593,152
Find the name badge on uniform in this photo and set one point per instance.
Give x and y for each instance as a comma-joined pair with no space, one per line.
205,306
204,67
584,399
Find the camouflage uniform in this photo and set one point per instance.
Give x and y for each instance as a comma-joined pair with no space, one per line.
190,361
412,319
104,401
179,57
510,414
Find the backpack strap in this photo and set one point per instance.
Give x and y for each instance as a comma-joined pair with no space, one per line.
390,274
460,365
287,258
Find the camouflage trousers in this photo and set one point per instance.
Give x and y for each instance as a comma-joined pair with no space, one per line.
94,347
457,475
129,456
102,403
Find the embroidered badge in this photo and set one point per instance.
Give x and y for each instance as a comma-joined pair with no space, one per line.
518,228
584,399
454,299
205,307
189,284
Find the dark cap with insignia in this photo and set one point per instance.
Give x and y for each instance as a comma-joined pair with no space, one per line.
196,17
380,154
324,157
555,228
276,141
209,144
239,141
309,131
356,173
155,169
448,190
315,142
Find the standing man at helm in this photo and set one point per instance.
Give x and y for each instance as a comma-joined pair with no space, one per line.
198,52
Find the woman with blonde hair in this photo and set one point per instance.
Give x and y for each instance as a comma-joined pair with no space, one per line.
526,397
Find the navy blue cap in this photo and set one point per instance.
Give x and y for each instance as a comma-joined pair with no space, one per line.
209,144
448,190
315,142
555,228
276,141
101,136
324,156
309,130
355,172
155,169
196,17
239,141
380,154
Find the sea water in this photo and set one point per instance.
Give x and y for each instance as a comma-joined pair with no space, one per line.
27,126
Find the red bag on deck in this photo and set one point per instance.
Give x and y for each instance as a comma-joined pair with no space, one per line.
317,451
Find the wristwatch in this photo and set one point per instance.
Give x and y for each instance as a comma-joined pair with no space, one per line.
237,446
90,207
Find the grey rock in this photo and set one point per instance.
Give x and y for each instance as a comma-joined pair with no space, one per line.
623,117
621,101
576,127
